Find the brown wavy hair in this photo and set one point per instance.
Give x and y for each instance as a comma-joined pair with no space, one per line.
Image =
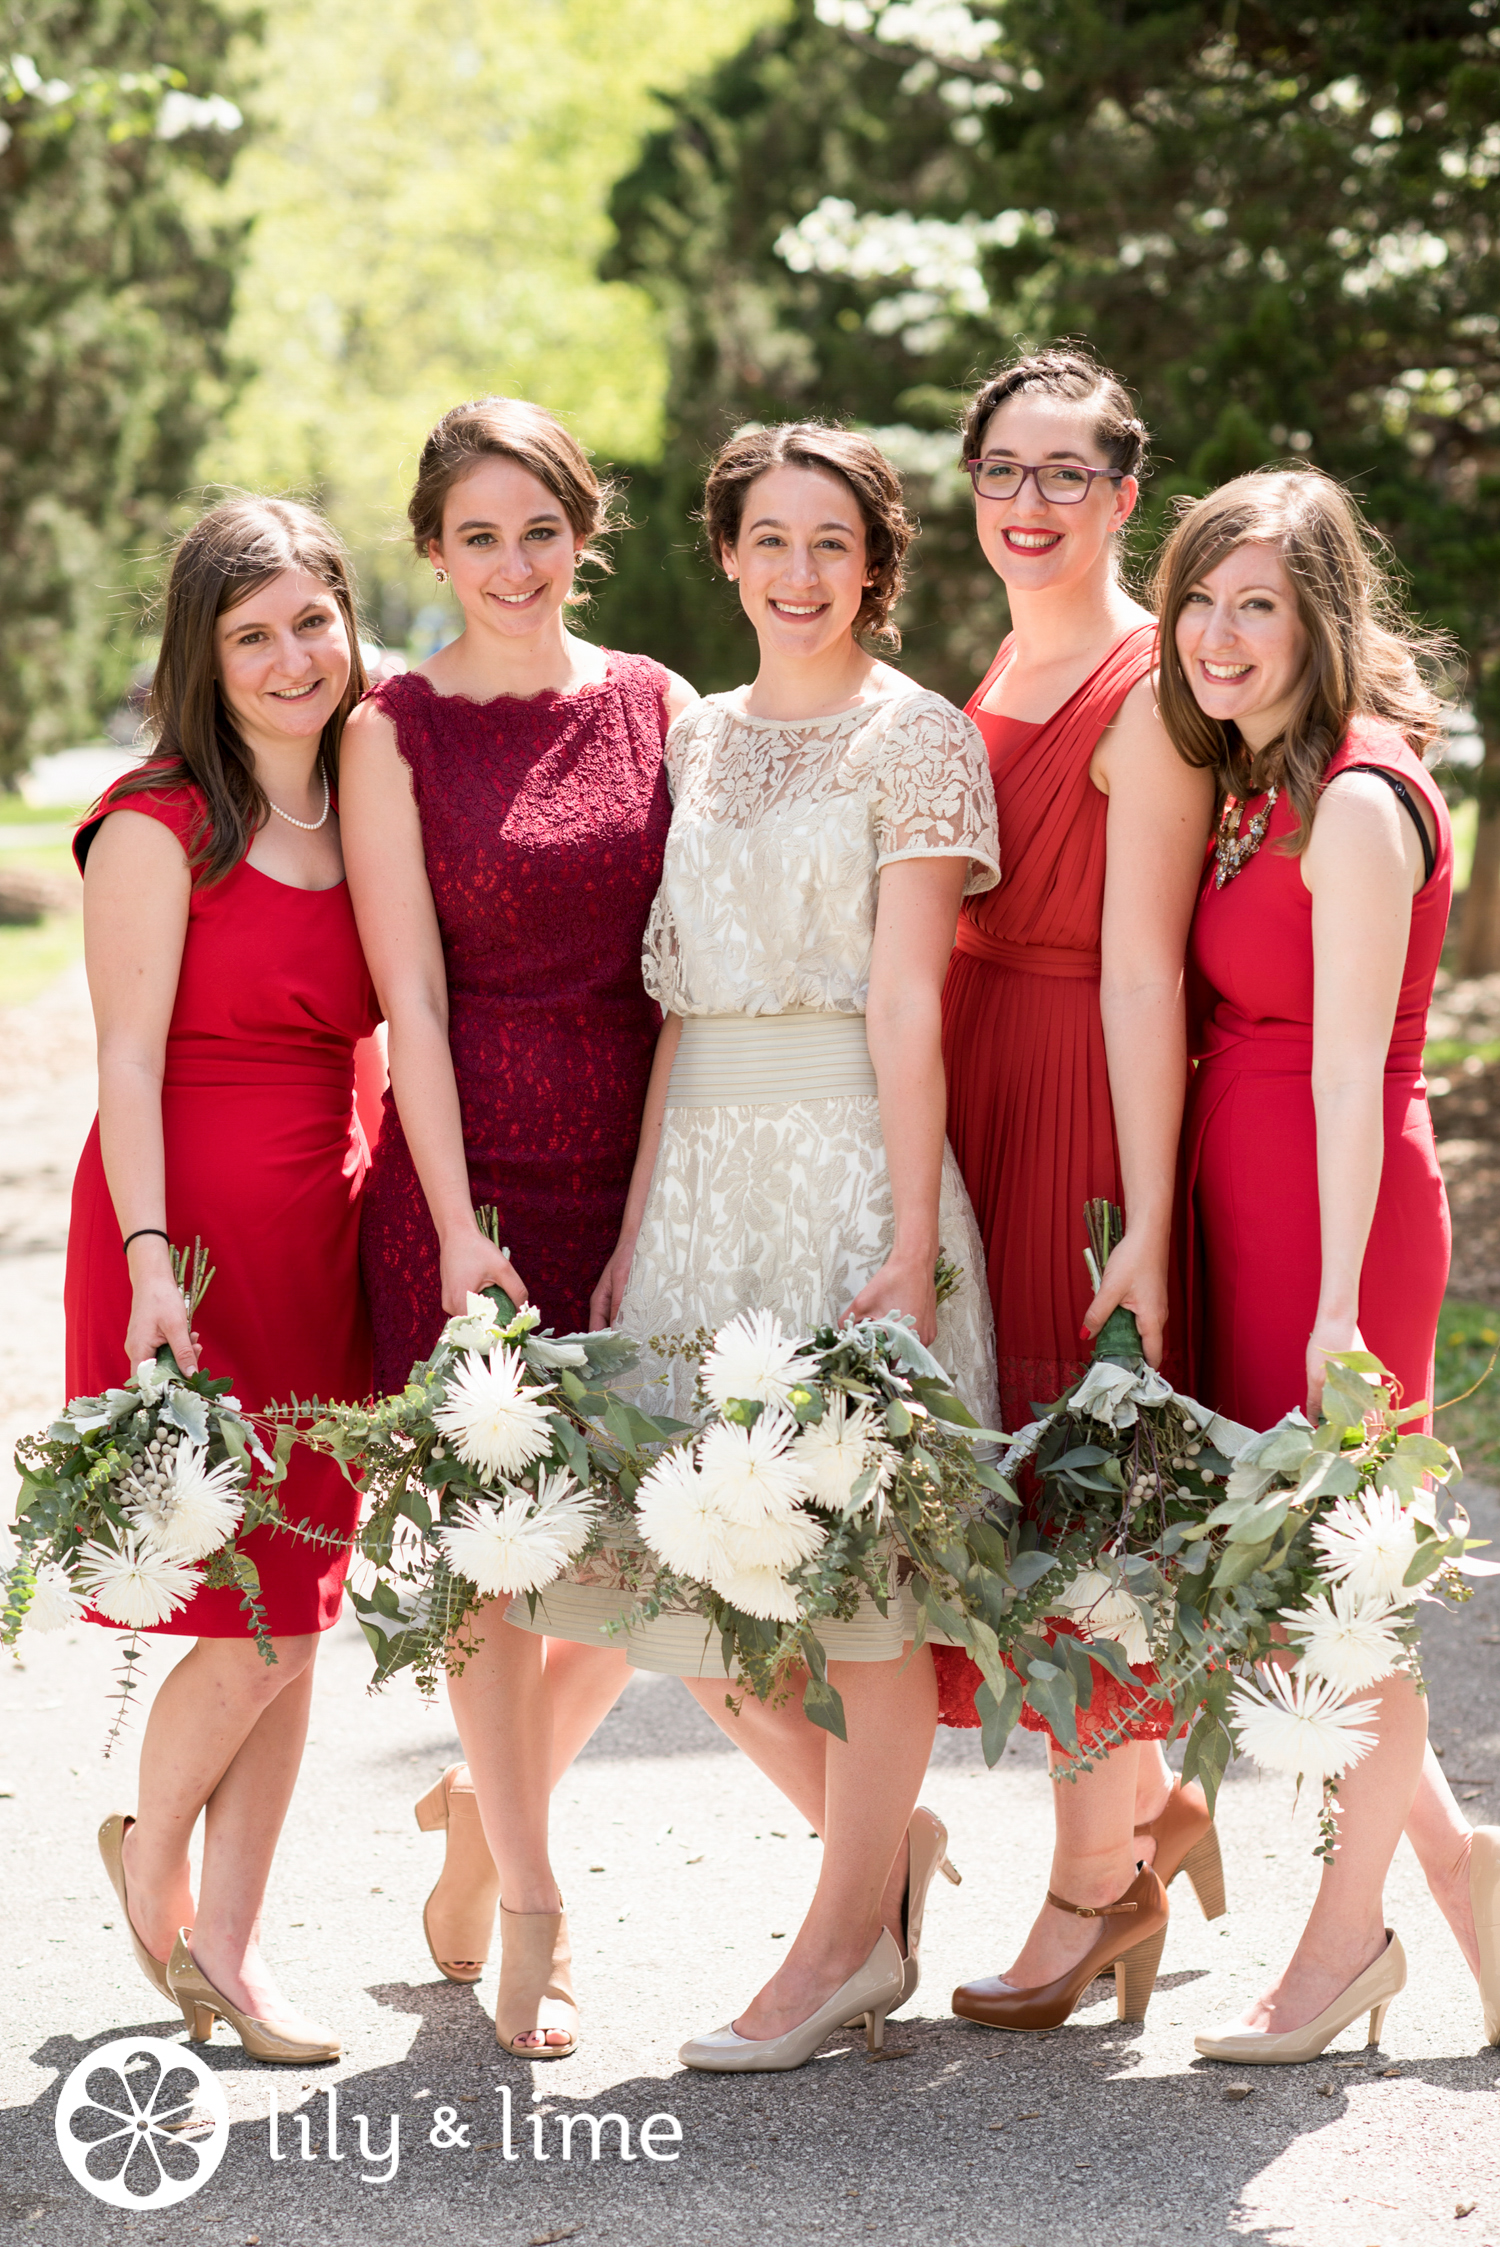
858,462
229,553
513,429
1365,655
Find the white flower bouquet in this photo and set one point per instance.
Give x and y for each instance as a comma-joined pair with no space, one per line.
1263,1582
132,1501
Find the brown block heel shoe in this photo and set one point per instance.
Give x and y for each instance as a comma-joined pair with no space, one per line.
1187,1841
1131,1943
458,1918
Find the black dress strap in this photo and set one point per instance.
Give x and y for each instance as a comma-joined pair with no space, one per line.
1404,795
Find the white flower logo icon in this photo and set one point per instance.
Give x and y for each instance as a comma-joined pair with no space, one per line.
141,2124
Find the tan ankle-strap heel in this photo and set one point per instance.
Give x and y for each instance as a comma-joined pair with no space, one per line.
1187,1841
1132,1931
536,1984
458,1918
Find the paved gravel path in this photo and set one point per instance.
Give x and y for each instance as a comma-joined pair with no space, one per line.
684,1872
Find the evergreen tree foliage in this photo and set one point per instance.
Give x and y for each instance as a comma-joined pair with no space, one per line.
1278,223
115,289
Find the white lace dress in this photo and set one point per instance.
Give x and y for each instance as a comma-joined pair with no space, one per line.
770,1189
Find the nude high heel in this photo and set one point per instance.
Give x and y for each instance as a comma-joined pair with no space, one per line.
202,2004
458,1918
112,1849
1188,1841
536,1984
1131,1943
870,1993
1370,1992
927,1853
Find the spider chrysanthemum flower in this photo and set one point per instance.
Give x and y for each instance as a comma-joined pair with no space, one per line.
753,1474
134,1585
1290,1721
754,1359
835,1451
1368,1542
1345,1639
200,1509
54,1603
517,1543
763,1592
494,1417
781,1545
680,1518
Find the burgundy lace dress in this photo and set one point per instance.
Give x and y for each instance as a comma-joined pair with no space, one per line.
544,821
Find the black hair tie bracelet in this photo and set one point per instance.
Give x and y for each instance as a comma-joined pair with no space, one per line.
143,1232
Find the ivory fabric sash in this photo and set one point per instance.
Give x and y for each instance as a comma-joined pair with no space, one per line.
726,1060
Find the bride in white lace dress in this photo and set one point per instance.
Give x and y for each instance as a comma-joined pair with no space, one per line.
827,821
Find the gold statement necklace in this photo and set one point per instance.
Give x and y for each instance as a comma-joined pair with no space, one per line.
1232,849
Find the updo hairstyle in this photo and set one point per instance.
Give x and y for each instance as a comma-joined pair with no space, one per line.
1067,372
512,429
858,462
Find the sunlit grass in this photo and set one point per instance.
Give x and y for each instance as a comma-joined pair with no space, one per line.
1467,1346
16,812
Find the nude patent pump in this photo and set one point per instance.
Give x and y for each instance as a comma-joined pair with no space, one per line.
112,1849
870,1993
1370,1992
202,2004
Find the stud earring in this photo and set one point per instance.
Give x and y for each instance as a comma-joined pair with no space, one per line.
441,576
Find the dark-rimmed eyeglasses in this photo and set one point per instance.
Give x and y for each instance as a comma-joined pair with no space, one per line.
1064,483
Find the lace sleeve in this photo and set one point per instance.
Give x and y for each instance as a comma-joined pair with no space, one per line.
935,798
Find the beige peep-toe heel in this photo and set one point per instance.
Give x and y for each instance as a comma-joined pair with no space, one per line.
458,1918
536,1984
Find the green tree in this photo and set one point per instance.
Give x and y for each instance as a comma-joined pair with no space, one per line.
115,293
1278,222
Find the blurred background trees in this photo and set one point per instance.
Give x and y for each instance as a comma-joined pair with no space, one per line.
116,290
1278,223
665,217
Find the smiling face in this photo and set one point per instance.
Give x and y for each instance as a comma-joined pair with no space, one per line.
282,657
800,560
509,548
1243,644
1033,543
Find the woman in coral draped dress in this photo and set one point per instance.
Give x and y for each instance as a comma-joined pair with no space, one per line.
229,992
1317,1219
506,811
1065,1047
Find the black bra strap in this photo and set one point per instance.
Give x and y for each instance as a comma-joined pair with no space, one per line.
1400,790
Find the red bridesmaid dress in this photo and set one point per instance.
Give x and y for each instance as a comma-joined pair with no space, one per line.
265,1163
1253,1249
1029,1112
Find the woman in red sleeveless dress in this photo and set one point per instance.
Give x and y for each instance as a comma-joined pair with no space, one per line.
506,811
229,991
1063,1028
1316,1215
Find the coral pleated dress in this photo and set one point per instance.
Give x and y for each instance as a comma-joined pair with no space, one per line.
1254,1251
265,1164
1029,1112
544,819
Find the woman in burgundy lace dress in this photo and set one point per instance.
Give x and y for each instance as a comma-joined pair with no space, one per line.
505,811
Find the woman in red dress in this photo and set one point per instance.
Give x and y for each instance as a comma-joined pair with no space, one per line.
229,992
1317,1219
506,811
1063,1029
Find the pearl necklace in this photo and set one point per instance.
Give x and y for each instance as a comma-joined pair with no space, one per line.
308,826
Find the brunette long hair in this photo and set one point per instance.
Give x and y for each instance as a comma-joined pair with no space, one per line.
1365,656
228,554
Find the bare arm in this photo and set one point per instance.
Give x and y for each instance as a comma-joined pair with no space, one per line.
136,892
1158,822
681,695
604,1303
398,928
914,927
1361,866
